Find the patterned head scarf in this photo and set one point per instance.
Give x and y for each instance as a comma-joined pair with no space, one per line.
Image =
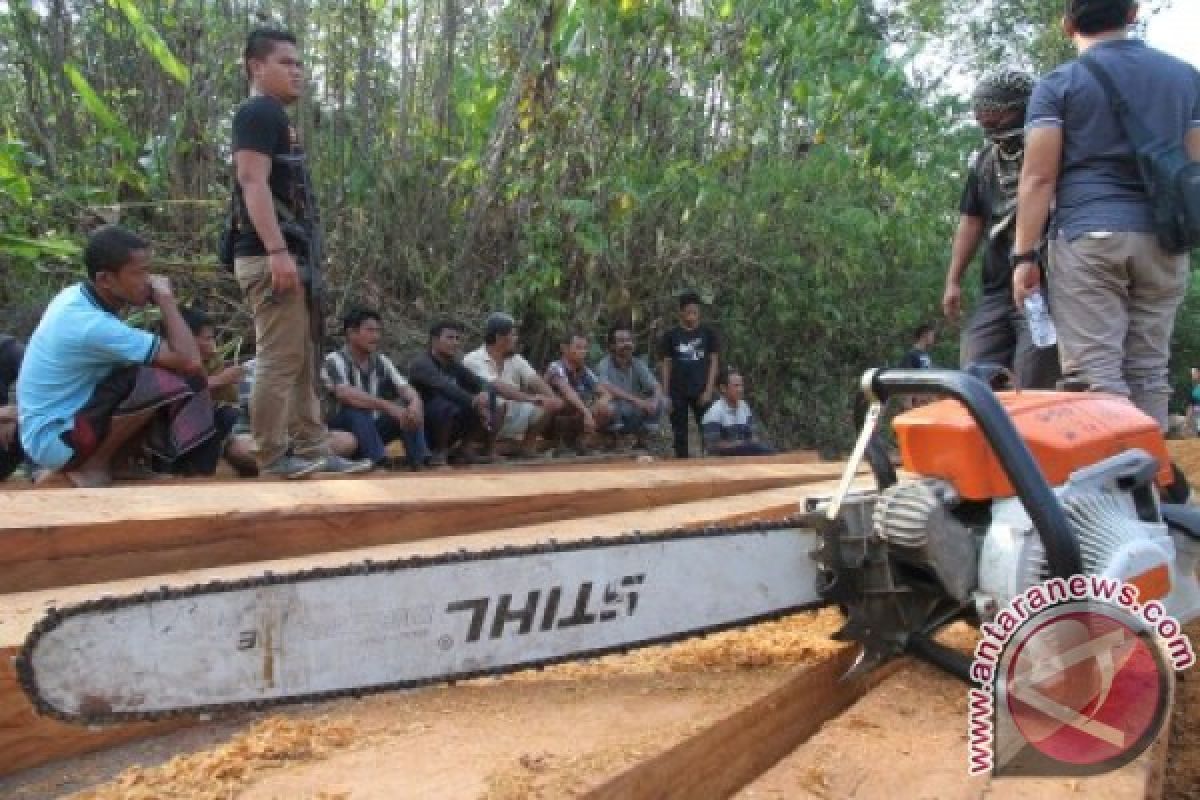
1005,89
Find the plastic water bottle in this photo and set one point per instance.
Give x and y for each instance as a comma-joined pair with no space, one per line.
1041,326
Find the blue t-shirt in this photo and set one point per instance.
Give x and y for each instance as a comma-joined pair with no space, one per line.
1099,186
78,344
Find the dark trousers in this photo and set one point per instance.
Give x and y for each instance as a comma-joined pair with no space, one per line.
679,421
11,456
998,333
204,458
745,449
374,435
448,424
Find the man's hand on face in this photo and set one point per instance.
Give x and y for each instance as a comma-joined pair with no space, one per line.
160,289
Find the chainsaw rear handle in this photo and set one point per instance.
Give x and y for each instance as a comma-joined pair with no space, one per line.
1060,544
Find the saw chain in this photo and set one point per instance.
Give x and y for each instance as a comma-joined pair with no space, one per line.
55,617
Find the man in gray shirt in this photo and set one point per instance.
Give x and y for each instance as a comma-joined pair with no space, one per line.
637,398
1113,291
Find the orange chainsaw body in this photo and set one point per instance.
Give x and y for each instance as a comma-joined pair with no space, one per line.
1065,431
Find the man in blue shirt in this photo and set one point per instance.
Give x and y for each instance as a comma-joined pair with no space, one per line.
73,380
1114,291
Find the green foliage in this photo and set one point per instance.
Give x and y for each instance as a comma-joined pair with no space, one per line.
151,42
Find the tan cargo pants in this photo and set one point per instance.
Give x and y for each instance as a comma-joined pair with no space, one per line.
285,412
1113,297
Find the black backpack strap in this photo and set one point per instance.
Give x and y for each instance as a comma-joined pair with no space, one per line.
1133,127
1119,106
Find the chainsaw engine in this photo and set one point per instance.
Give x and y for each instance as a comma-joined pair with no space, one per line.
958,540
987,554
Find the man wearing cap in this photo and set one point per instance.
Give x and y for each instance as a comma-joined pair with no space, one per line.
1114,291
997,332
526,405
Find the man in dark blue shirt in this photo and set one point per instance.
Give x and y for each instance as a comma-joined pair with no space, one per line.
1114,291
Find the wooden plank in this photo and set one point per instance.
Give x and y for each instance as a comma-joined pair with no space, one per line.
72,536
910,732
27,740
19,611
597,463
726,756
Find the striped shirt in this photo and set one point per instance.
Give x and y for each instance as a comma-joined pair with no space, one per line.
379,379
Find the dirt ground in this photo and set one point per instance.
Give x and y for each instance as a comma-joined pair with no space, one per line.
1183,760
551,734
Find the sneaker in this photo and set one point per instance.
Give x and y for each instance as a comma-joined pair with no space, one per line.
336,465
291,467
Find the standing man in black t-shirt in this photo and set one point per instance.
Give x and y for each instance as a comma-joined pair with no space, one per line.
272,193
690,355
997,332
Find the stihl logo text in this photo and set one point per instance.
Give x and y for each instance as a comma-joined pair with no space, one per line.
548,609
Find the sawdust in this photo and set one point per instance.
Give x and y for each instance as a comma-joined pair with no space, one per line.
218,774
283,745
798,639
550,776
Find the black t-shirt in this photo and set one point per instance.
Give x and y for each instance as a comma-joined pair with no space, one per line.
431,377
262,125
11,353
916,358
975,202
690,352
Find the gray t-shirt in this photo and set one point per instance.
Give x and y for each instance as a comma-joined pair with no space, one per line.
638,380
1099,187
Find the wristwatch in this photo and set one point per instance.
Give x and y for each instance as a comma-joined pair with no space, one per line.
1029,256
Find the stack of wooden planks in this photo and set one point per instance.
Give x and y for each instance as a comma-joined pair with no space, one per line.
63,546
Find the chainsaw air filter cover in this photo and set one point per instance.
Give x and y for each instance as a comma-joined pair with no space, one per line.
1065,431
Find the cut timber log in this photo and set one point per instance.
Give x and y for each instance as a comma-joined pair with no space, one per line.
726,756
28,740
597,463
72,536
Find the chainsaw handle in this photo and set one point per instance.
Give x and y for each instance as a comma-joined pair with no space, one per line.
1042,506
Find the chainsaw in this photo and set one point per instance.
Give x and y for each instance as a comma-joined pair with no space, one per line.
1000,491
